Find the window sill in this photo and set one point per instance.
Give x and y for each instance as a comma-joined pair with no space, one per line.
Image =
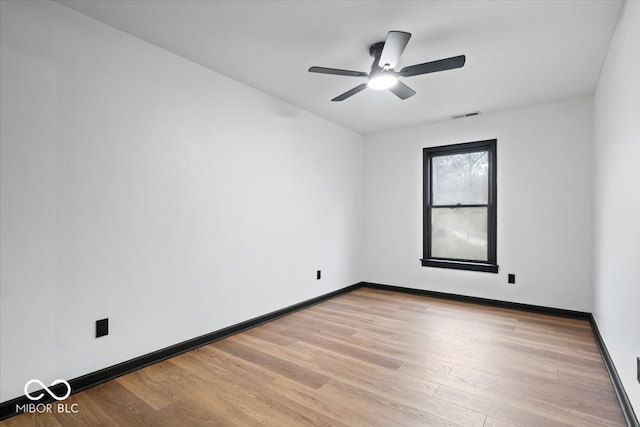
460,265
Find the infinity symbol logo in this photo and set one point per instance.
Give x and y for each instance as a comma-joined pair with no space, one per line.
52,394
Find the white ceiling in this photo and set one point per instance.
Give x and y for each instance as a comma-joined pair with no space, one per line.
518,52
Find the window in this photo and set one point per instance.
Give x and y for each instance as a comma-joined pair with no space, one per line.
460,206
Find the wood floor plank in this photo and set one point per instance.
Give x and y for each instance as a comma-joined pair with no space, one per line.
495,408
32,420
273,406
370,357
492,422
110,396
273,363
393,387
404,387
385,412
543,392
332,406
88,413
144,383
359,353
458,354
210,392
265,334
530,371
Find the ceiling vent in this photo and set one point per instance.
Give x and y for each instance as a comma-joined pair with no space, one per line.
475,113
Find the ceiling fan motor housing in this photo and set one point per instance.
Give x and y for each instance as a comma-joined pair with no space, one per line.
376,49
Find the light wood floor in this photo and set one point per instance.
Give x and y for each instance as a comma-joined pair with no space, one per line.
370,357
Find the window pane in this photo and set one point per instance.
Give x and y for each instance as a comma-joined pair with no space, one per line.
461,178
459,233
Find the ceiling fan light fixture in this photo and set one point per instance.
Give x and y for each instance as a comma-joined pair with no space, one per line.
382,81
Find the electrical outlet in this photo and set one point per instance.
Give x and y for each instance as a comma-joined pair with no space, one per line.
318,275
638,370
102,327
511,278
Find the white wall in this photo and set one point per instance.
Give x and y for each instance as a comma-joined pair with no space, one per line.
544,206
617,201
138,186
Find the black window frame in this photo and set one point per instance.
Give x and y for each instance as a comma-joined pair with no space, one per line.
491,266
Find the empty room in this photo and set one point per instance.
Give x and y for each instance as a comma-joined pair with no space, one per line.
319,213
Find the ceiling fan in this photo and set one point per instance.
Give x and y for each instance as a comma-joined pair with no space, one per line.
383,75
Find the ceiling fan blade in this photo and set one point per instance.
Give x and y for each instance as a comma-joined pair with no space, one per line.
338,72
393,48
351,92
402,91
433,66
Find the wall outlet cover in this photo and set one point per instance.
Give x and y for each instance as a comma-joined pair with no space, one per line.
318,275
511,278
102,327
